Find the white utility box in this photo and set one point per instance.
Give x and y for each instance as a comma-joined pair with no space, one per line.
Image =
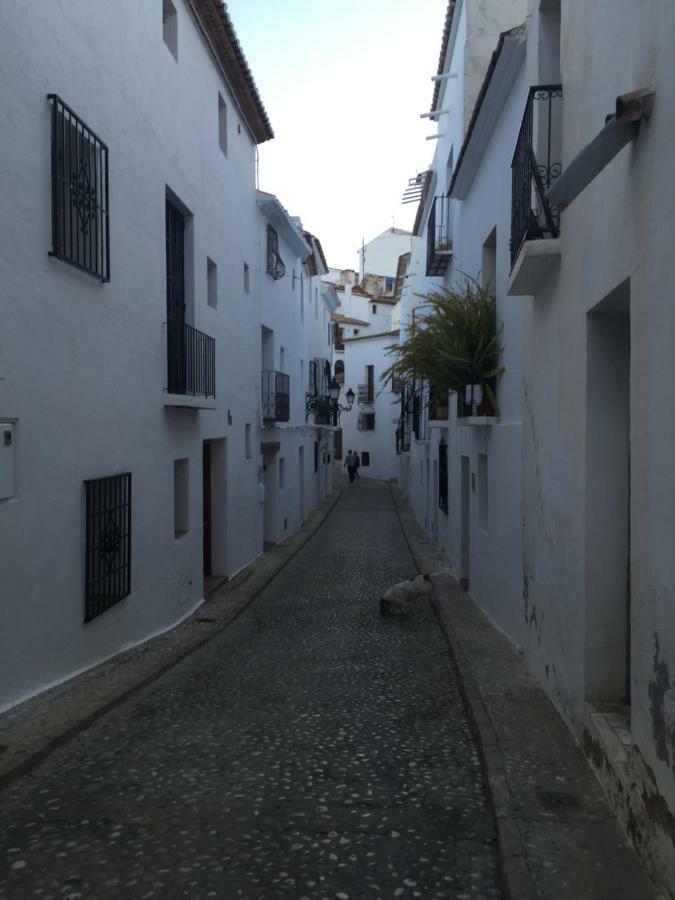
7,451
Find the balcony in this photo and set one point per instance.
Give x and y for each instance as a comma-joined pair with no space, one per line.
276,397
535,243
438,406
191,366
474,406
317,400
439,237
365,393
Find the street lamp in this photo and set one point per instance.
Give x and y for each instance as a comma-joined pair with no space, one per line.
337,408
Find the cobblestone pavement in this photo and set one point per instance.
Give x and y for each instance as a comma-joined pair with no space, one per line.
312,750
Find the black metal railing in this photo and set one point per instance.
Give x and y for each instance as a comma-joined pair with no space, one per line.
317,398
438,405
276,396
365,393
365,422
275,264
191,357
475,400
439,237
416,405
107,552
338,335
80,225
535,167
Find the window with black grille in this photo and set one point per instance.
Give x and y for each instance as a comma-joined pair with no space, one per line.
80,222
108,543
365,458
275,264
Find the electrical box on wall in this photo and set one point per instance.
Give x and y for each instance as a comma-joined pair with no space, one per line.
7,449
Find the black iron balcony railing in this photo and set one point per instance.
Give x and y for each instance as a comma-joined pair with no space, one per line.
438,406
191,357
276,396
535,167
365,393
439,237
317,399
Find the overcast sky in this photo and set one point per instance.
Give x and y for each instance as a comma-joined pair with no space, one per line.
343,84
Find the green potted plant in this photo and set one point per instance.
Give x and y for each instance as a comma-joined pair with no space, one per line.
455,345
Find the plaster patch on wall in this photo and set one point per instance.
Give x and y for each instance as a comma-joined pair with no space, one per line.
662,708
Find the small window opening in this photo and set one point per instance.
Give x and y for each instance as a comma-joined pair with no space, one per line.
222,124
170,27
211,283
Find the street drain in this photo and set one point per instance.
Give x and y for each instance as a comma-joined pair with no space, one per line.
558,800
205,620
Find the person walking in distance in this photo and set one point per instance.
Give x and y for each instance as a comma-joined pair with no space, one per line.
357,464
350,463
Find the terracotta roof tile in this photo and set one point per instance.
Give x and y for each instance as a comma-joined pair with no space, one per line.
216,20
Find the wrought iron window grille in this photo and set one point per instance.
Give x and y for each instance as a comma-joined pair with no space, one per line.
535,168
107,543
365,422
275,264
80,211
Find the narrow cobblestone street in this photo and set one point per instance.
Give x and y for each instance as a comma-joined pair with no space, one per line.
313,749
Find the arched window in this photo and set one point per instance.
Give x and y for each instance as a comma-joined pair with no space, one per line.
340,372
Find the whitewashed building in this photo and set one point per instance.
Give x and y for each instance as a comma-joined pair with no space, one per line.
559,509
379,256
296,438
132,256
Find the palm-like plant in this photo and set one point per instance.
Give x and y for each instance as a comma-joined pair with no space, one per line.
453,345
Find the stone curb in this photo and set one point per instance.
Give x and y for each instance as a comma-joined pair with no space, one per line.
517,882
31,731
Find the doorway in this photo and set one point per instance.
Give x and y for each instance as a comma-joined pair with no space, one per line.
465,549
270,482
301,482
207,523
608,541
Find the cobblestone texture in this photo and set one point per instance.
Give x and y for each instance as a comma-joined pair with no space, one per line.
312,750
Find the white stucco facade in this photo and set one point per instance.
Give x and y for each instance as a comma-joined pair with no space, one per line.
380,255
83,364
560,511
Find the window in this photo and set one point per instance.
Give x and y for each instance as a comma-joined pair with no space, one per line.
302,298
247,440
247,278
374,309
316,303
340,371
211,283
370,383
107,543
222,124
181,497
449,167
483,492
282,474
293,279
365,458
366,422
316,456
80,226
275,264
489,271
170,27
355,332
282,359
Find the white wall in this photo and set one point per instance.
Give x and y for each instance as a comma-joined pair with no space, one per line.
383,251
84,363
380,443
